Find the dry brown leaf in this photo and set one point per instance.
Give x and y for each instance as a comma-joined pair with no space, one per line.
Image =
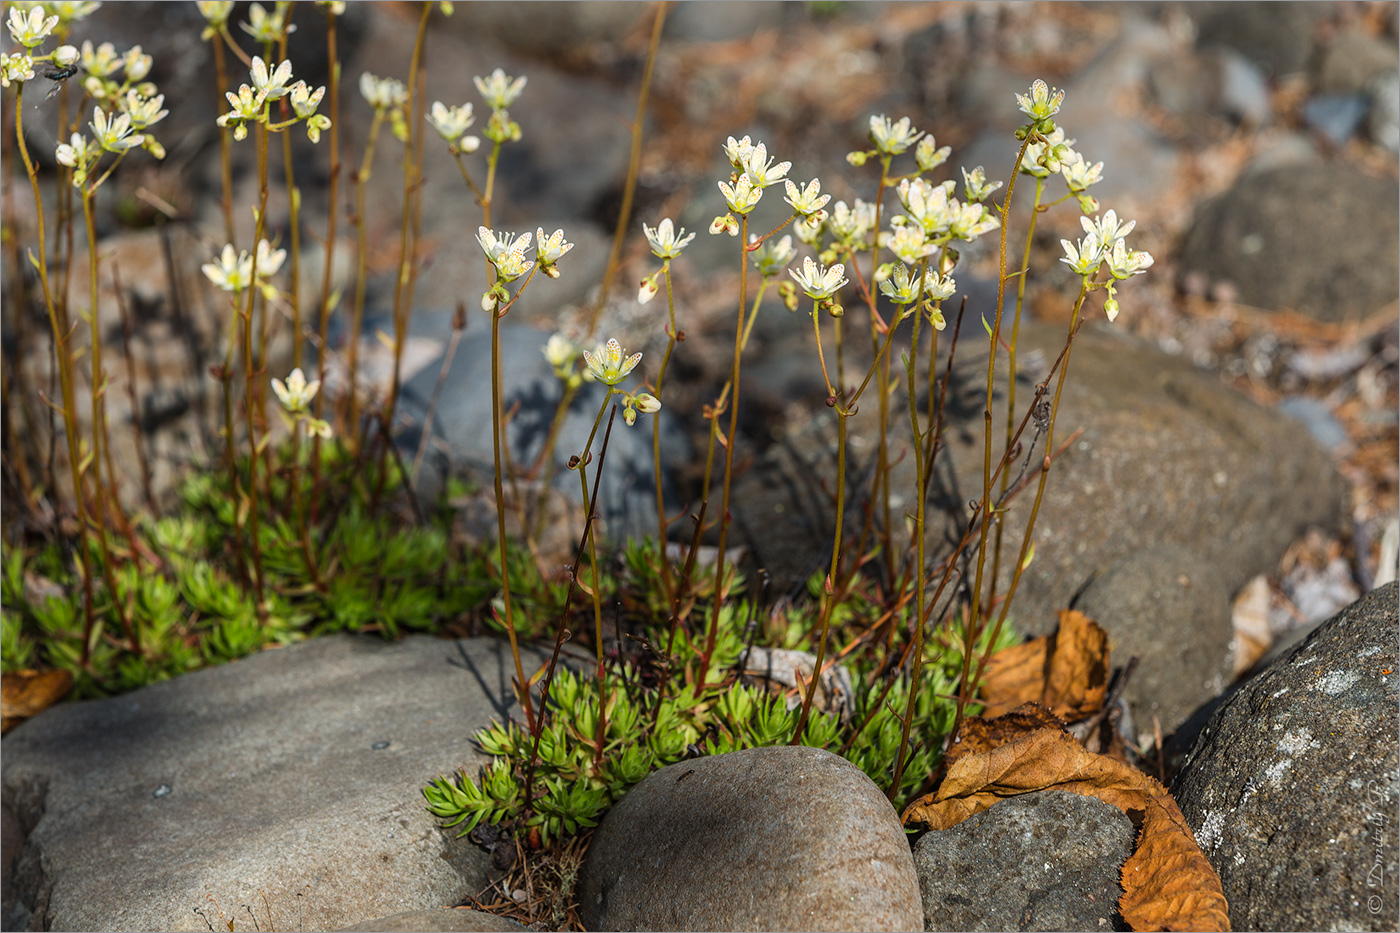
1167,882
24,693
1066,672
980,734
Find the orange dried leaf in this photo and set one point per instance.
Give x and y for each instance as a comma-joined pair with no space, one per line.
1066,672
25,693
980,734
1167,882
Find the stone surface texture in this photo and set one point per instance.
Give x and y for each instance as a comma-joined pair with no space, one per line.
1292,788
1252,235
1044,861
288,781
761,839
437,920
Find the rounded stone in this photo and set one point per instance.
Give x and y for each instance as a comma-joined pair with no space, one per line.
1045,861
761,839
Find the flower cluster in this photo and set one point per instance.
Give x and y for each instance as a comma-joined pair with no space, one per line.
125,108
1105,243
252,102
237,272
500,90
754,171
506,253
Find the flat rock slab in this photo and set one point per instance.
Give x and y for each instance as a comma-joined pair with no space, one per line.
760,839
288,781
1292,788
1046,861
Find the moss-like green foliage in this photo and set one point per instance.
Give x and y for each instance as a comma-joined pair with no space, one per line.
565,777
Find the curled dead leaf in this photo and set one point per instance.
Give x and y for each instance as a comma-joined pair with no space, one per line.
25,693
1066,672
1167,882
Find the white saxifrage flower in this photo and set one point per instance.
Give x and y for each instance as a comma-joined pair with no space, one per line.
743,196
550,251
233,272
665,242
499,90
892,138
382,93
31,28
15,67
1041,104
819,283
606,364
773,256
1084,257
451,123
296,394
929,155
114,133
1079,174
806,201
763,170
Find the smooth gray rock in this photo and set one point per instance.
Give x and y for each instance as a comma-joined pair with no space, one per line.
1170,462
1183,662
462,422
289,781
1276,36
1383,122
1044,861
1292,788
762,839
438,920
1252,235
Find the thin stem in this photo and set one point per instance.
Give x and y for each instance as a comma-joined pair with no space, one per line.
361,180
497,440
1011,376
994,342
65,380
634,163
733,431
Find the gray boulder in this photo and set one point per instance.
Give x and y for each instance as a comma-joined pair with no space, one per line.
1045,861
762,839
1292,788
288,781
1341,221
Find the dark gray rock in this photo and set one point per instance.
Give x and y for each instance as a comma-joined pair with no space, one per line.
1276,36
1217,83
462,421
1180,665
1341,220
260,782
1292,789
1351,60
438,920
1044,861
762,839
1169,463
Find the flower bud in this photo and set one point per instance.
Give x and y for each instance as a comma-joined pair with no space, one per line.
648,290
